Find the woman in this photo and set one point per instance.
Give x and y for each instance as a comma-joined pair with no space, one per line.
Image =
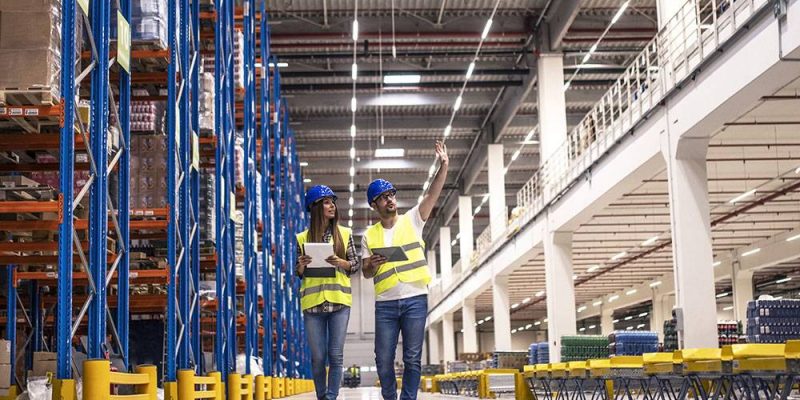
326,298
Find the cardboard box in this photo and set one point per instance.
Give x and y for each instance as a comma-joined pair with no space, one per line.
28,5
5,352
43,362
5,376
28,30
29,68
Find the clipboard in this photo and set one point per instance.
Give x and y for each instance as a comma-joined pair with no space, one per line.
392,254
319,268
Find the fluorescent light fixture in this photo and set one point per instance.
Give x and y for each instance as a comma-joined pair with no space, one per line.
355,29
521,328
537,323
513,331
350,213
303,163
385,153
350,201
615,321
529,326
630,328
612,298
447,130
489,318
592,268
457,104
280,65
793,238
431,170
354,71
593,48
728,308
644,314
352,152
650,241
353,130
530,134
619,12
751,252
403,79
307,180
515,305
567,85
540,293
582,329
631,292
581,308
592,326
470,69
784,280
716,263
742,196
352,187
656,283
526,300
515,156
598,303
353,104
481,322
619,255
639,326
544,320
352,171
477,209
486,29
628,318
586,57
453,243
723,294
350,223
485,198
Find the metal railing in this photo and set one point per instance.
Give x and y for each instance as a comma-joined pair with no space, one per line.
694,33
483,243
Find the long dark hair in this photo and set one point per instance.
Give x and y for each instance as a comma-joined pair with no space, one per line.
319,224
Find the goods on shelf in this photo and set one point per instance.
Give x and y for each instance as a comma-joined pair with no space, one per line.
432,369
670,335
632,343
583,347
532,354
5,364
147,116
728,332
474,357
542,353
509,359
773,321
148,176
206,107
148,22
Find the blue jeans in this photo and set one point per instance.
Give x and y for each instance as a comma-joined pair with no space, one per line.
326,333
391,318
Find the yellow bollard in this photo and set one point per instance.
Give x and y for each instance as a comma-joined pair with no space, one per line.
96,379
64,389
258,391
218,388
234,387
11,393
247,391
186,384
151,388
171,391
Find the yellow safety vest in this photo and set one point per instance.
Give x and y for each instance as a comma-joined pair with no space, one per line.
315,291
415,269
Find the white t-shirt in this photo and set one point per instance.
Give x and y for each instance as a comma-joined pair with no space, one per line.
402,290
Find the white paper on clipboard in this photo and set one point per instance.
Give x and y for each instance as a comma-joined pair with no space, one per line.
318,253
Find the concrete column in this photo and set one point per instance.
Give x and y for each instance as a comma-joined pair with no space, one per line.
445,255
467,238
560,290
662,311
501,310
470,330
498,216
691,240
448,338
607,321
431,259
742,291
435,343
552,104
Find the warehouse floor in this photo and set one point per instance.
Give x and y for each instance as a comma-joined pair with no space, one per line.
373,393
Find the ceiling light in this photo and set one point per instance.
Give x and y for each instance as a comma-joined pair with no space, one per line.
630,328
612,298
540,293
513,331
530,135
592,326
515,305
619,13
353,130
615,321
515,155
793,238
526,300
352,171
537,323
485,198
619,255
529,326
307,180
353,153
716,263
644,314
581,330
723,294
355,29
431,170
656,283
777,298
352,187
639,326
350,223
477,209
447,130
742,196
581,308
521,328
628,318
486,28
280,65
567,85
597,303
404,79
350,213
593,268
470,69
481,322
544,320
354,71
350,201
489,318
784,280
631,292
453,243
650,241
457,104
303,164
728,308
586,57
353,104
386,153
751,252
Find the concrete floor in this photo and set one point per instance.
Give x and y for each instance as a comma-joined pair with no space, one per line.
374,393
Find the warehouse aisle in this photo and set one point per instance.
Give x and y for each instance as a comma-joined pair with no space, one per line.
373,393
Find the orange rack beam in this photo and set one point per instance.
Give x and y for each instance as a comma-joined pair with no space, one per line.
8,207
138,276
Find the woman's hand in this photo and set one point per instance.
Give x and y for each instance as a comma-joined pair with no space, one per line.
302,263
338,262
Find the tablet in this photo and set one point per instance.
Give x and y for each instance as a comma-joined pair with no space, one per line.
392,254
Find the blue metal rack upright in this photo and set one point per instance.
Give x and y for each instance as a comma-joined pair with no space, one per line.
267,230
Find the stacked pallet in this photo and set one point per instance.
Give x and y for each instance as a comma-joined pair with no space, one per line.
632,343
583,347
773,321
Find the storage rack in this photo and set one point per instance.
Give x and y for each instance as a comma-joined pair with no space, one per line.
111,222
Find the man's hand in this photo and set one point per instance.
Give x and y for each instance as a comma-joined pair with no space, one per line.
435,188
371,265
441,153
338,262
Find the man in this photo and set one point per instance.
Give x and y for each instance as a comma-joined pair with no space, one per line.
401,288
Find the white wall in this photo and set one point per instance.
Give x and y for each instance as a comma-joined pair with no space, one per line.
519,341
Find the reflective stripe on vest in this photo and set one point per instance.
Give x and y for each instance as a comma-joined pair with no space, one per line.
335,290
415,269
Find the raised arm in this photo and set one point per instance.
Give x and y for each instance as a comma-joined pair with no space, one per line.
430,199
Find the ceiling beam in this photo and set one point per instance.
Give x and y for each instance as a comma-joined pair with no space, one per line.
559,19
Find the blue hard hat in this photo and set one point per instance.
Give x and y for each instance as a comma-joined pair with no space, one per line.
317,193
377,188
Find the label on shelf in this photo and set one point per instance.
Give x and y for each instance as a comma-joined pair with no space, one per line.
84,6
123,42
31,112
196,152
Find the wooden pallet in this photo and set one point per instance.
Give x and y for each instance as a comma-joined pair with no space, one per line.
35,96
